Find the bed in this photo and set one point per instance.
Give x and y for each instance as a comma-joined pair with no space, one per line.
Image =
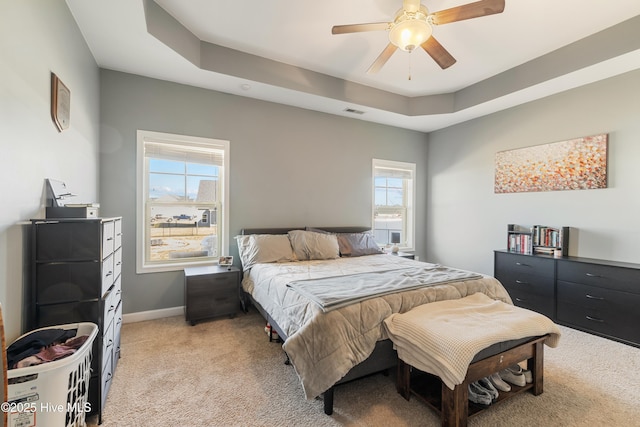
333,342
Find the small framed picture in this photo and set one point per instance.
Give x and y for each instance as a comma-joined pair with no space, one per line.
225,261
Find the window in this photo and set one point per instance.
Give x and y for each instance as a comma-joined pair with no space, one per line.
394,203
182,210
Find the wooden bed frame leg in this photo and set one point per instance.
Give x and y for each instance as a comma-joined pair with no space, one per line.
455,405
328,401
536,366
403,382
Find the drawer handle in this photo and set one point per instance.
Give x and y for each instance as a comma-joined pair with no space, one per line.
110,343
593,297
520,282
109,238
111,308
592,275
594,319
109,273
522,264
119,263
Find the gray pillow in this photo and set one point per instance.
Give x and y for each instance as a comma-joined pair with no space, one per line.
309,245
357,244
264,248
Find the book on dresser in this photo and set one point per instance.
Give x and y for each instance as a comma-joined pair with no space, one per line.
538,239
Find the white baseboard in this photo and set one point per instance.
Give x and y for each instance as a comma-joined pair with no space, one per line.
153,314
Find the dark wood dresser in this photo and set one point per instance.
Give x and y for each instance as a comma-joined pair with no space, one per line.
593,295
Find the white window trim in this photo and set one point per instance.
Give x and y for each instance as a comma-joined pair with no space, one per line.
411,198
143,135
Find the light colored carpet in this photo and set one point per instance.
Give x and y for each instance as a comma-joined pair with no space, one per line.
225,372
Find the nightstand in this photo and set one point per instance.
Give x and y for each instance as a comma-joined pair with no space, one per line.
210,291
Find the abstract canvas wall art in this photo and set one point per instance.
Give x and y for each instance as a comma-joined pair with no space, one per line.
576,164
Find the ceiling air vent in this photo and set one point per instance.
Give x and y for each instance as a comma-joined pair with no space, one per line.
353,111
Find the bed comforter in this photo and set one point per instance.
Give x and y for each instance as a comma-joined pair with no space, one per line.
324,346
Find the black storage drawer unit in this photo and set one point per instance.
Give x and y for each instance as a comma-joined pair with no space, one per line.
529,280
75,277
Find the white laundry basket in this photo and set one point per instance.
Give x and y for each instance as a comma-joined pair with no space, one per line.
54,393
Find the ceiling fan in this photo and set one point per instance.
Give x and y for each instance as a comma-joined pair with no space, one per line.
412,27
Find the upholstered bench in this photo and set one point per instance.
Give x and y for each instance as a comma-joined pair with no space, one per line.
444,346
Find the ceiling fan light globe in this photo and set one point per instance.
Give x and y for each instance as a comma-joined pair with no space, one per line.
409,34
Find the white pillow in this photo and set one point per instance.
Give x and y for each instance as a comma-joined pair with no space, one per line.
308,245
264,248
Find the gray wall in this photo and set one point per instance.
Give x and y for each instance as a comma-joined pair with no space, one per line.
37,38
289,166
466,221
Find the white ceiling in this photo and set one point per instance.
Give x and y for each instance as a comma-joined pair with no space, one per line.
298,33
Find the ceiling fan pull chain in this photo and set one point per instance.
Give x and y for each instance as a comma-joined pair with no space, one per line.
410,61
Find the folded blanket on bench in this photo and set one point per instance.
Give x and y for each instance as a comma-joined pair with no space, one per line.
442,337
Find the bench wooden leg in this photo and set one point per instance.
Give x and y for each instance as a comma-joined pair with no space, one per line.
536,366
455,405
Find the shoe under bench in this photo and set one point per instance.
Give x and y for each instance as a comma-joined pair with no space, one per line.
454,405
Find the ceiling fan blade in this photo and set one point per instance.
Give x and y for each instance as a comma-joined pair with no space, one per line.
382,59
358,28
438,53
468,11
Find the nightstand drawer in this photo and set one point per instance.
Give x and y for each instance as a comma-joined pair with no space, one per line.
205,285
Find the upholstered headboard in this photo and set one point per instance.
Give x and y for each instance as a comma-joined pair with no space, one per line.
282,230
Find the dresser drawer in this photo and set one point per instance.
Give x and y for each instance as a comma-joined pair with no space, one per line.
67,281
107,376
117,234
108,238
111,301
117,263
526,275
532,301
67,241
107,274
621,279
603,311
107,341
117,290
524,265
117,326
59,314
